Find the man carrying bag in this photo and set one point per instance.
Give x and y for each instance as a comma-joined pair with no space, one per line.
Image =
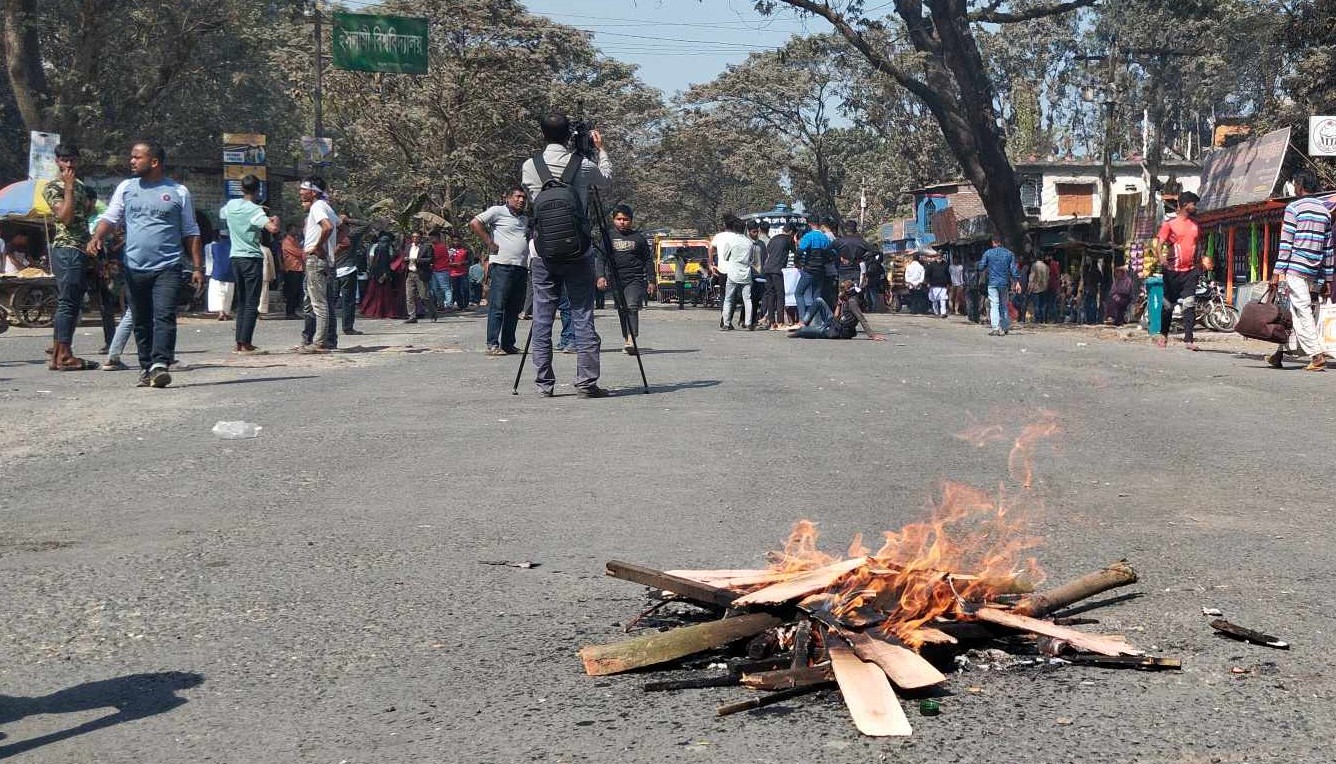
1305,263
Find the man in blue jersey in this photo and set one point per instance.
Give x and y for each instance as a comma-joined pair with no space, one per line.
160,228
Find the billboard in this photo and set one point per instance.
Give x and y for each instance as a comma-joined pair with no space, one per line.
365,43
244,154
1243,174
42,156
1322,136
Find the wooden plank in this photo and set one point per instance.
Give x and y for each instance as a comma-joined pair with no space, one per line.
802,584
734,579
661,647
1248,635
908,669
1078,639
784,679
867,694
929,636
692,590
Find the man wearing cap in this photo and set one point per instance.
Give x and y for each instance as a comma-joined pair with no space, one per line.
160,227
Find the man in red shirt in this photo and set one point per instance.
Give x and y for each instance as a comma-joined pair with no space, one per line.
1177,244
440,272
457,259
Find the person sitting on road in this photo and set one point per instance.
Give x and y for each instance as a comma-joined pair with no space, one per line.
842,323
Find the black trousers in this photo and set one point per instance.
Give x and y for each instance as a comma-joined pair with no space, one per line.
153,302
249,275
1180,285
772,304
292,292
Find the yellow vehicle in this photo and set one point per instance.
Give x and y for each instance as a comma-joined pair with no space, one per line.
690,254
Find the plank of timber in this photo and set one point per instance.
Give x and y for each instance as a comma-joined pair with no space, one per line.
1080,640
692,590
734,579
930,636
661,647
867,694
802,584
784,679
908,669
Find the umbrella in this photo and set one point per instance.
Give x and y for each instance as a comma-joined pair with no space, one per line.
24,199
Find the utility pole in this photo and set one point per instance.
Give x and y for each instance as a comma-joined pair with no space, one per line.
319,75
1106,175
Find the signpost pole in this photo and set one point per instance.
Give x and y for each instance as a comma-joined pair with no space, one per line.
319,75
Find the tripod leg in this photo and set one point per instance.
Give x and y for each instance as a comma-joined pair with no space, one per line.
515,389
618,294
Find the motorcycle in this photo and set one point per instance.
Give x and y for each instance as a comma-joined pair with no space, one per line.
1213,311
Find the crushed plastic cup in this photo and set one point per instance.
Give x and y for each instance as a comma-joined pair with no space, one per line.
236,430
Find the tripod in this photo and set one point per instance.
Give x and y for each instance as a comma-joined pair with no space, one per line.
604,244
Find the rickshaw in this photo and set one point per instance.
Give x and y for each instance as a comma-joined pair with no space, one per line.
693,253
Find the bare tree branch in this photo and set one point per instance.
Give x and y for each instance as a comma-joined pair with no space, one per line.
992,15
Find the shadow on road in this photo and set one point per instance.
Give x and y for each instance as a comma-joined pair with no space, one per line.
134,697
668,351
249,380
694,384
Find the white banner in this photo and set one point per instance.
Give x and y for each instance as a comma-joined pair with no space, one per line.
42,156
1322,136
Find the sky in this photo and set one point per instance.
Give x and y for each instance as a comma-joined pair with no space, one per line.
677,43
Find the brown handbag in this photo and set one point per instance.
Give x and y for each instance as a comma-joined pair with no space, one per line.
1264,320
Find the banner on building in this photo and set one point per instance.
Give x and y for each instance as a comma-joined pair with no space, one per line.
366,43
42,156
1322,136
1243,174
244,154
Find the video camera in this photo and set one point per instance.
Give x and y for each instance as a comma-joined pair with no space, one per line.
581,142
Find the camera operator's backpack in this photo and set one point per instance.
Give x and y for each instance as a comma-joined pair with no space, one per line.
560,229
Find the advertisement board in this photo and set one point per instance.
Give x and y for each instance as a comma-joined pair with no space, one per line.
365,43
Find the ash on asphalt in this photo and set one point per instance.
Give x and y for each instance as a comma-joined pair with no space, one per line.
324,581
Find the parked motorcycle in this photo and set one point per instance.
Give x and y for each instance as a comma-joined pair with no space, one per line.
1213,311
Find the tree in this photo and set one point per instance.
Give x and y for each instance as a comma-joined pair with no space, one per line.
950,77
101,71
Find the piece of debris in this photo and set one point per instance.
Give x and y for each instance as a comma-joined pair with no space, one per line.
237,430
1248,635
526,564
1216,612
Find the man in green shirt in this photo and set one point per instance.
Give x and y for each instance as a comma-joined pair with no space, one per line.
244,219
71,204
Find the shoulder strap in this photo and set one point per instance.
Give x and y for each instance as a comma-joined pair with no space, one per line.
572,169
540,165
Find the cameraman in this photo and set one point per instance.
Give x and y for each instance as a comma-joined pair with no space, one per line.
575,278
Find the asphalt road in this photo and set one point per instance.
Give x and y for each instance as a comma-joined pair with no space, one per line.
317,594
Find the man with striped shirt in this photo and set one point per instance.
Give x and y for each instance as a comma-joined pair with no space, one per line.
1306,258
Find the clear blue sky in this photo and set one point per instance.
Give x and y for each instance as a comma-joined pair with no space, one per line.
677,43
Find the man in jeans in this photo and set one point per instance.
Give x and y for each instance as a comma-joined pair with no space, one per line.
1306,258
1003,278
503,229
318,247
440,273
160,227
243,220
342,292
552,279
69,200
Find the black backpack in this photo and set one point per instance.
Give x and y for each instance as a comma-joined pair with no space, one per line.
875,268
560,229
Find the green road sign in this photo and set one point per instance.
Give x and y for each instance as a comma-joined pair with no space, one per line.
365,43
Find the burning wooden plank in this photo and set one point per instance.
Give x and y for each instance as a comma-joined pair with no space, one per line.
661,647
867,694
734,579
692,590
1080,640
926,635
801,585
908,669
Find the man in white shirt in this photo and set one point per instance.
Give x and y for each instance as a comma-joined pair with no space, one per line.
417,278
503,229
318,248
733,250
915,276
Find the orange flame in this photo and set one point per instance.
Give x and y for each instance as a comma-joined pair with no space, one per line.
972,548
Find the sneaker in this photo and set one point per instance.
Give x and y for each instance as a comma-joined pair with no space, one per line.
995,333
352,332
568,350
1274,359
593,391
560,348
114,364
159,377
546,392
411,321
511,351
726,328
143,379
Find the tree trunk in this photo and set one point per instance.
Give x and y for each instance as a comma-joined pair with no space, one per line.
23,62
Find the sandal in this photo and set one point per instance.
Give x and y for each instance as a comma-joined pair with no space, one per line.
1317,363
74,363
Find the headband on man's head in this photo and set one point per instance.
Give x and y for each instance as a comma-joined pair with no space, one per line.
309,186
